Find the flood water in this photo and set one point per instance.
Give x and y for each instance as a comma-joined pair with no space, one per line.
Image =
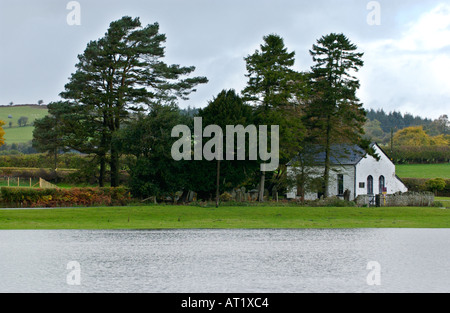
225,261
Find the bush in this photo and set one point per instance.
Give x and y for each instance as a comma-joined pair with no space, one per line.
421,184
226,197
435,185
30,197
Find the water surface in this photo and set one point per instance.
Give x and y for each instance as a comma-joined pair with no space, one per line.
226,261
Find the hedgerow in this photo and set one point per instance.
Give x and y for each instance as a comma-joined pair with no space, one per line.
54,197
421,184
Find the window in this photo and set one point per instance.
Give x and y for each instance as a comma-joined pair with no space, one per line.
340,184
370,185
382,184
362,185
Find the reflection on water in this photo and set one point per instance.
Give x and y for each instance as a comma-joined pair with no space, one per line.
238,261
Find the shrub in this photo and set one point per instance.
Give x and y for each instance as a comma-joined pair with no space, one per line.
420,185
226,197
30,197
435,185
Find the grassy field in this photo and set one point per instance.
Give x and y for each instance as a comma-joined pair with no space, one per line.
424,171
17,134
189,217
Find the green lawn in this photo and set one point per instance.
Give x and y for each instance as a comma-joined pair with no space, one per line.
424,171
17,134
180,217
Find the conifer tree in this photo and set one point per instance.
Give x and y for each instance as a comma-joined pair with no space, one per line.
272,84
123,72
335,115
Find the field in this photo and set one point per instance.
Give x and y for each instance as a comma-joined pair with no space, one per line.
424,171
183,217
17,134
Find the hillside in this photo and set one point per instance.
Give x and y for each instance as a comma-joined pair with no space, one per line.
16,134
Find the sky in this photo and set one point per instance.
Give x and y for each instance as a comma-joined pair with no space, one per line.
406,43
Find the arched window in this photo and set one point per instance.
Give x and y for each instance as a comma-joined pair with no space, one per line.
370,185
382,184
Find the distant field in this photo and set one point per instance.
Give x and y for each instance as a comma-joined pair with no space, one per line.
17,134
424,171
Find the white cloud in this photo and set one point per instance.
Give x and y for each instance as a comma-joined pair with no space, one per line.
410,72
430,33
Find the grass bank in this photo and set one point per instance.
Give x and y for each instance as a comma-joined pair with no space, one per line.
184,217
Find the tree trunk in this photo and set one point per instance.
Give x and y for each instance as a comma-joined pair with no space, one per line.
261,187
101,178
218,184
114,165
326,176
56,159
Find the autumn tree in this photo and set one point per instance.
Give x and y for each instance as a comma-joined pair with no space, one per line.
417,136
2,133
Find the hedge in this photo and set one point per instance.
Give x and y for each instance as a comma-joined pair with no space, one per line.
55,197
42,160
420,184
419,154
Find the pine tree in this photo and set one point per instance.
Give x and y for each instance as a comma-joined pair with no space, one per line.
271,88
335,114
123,72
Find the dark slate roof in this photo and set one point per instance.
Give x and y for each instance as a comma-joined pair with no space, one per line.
343,154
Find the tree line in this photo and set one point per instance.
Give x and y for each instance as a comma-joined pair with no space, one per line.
382,126
120,106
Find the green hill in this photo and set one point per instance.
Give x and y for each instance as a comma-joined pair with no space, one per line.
12,113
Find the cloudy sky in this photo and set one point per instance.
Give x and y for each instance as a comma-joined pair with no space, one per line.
406,43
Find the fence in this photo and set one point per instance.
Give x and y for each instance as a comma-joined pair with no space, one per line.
22,182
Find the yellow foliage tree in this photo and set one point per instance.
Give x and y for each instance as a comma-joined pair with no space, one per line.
440,140
2,133
412,136
416,136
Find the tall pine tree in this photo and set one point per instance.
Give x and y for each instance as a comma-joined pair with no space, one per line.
335,115
123,72
272,88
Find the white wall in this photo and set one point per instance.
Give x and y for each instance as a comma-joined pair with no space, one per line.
383,167
349,181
